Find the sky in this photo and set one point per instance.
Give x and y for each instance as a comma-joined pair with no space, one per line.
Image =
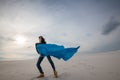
92,24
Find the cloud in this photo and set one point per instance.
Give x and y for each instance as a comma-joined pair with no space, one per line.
108,47
110,26
6,38
64,22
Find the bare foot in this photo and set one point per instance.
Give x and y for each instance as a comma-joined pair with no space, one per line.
55,74
40,76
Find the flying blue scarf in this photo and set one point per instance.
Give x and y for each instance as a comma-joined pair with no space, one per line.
56,51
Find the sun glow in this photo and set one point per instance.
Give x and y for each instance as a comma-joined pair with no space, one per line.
20,39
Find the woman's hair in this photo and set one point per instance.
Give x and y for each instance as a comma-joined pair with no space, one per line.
43,40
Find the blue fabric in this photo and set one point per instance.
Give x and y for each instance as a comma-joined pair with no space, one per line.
56,51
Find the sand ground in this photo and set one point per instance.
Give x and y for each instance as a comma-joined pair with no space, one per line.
102,66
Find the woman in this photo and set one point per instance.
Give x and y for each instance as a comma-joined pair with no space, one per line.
42,41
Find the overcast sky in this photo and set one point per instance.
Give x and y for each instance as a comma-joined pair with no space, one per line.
92,24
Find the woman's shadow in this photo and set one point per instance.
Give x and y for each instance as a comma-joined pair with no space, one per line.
62,76
34,78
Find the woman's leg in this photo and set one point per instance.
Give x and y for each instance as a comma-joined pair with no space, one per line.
51,62
38,64
53,66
